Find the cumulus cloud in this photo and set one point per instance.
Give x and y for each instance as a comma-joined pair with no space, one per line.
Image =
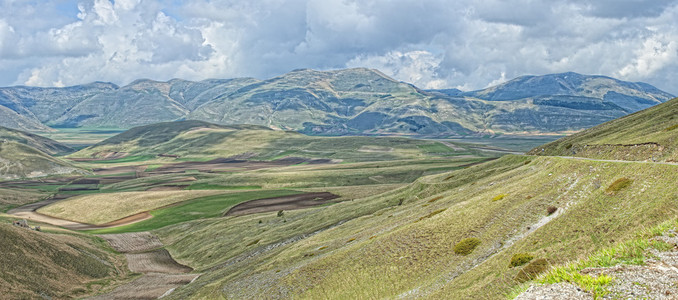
433,44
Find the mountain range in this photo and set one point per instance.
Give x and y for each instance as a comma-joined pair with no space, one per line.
341,102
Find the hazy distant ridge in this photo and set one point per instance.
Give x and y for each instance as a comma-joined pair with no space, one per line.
351,101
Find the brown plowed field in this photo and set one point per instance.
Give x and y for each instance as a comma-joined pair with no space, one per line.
132,242
281,203
157,261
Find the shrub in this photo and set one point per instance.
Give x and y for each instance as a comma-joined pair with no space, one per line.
551,209
281,213
619,185
520,259
531,271
466,246
499,197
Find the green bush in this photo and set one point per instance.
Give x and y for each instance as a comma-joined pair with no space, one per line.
619,185
466,246
531,271
520,259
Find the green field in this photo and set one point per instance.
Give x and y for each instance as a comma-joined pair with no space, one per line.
201,208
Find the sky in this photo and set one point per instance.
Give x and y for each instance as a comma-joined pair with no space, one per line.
465,44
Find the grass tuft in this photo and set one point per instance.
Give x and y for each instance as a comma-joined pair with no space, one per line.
466,246
520,259
531,271
619,185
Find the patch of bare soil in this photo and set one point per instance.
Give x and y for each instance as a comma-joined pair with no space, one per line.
132,242
157,261
281,203
149,286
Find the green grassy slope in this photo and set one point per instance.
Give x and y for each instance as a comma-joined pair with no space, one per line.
650,134
202,140
54,265
38,142
401,242
18,160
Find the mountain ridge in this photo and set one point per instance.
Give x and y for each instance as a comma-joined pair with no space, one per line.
356,101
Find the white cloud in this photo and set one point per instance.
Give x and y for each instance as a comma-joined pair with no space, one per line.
416,67
433,44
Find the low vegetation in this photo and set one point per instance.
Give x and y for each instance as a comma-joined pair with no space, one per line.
466,246
50,265
532,270
618,185
631,252
520,259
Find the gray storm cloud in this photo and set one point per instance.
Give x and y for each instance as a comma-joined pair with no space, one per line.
433,44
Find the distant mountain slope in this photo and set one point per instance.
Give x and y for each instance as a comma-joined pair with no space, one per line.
651,134
12,119
38,105
43,144
341,102
553,88
202,140
24,154
22,161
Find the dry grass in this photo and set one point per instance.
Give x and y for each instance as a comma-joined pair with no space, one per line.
383,252
103,208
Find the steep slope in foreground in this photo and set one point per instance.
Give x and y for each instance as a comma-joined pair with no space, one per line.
406,243
648,135
53,266
202,140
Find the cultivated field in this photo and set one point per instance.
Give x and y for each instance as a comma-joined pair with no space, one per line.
100,209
